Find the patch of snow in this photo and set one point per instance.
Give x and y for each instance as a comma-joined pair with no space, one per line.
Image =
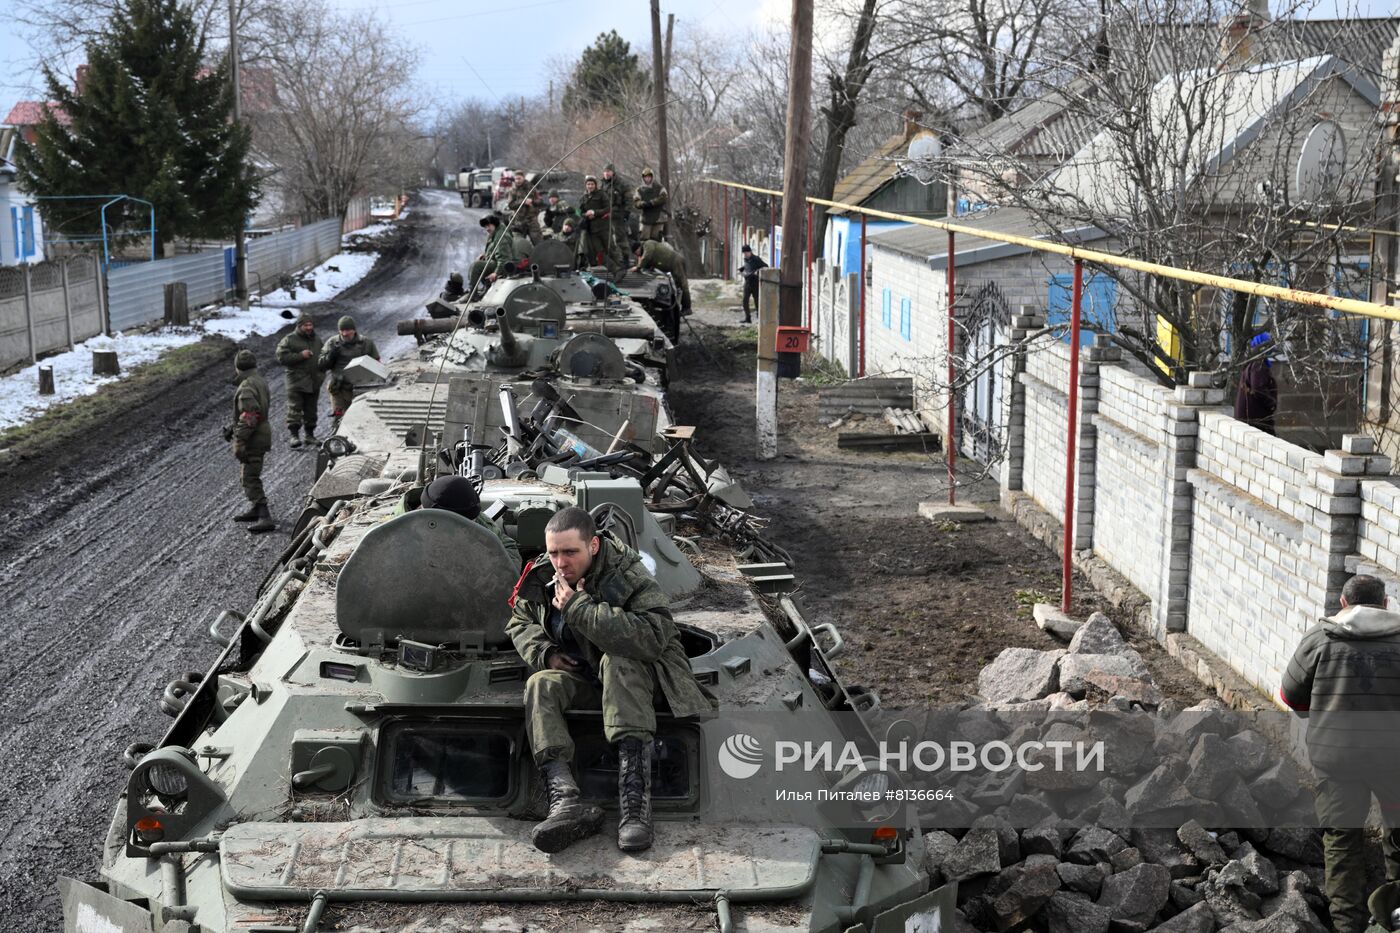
21,402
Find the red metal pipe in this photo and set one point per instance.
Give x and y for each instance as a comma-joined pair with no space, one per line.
1067,569
809,267
727,268
862,295
952,396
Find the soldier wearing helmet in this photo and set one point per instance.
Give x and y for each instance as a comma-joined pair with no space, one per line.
651,199
596,242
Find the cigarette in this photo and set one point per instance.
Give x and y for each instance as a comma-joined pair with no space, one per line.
553,580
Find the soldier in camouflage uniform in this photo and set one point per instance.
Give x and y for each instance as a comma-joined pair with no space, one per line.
601,637
500,249
525,211
556,212
252,438
619,204
597,243
339,352
651,199
653,254
299,353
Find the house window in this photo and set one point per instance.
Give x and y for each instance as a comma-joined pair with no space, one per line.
904,318
28,230
885,299
1096,311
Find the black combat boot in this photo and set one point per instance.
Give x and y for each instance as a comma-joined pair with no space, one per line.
296,437
264,522
249,516
568,820
634,795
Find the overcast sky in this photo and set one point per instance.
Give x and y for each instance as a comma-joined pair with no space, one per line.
493,50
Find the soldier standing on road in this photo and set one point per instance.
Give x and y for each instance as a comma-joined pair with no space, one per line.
299,354
651,200
252,438
750,272
619,201
593,623
339,352
1345,674
597,243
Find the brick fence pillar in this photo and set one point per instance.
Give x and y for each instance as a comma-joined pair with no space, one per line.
1013,400
1169,613
1086,458
1334,495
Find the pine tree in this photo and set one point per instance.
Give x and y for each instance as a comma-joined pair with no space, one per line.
607,72
151,121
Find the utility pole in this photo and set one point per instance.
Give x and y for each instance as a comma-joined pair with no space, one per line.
240,247
798,144
658,90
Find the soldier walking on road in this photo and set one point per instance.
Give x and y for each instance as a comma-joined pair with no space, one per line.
299,354
651,200
597,243
339,352
252,439
593,623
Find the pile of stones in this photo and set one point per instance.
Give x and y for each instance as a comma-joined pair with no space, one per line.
1077,864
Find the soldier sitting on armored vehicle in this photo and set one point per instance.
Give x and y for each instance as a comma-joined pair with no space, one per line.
457,494
595,626
500,249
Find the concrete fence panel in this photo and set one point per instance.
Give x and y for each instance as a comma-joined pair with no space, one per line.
46,307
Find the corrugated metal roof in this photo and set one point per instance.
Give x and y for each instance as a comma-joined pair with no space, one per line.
931,245
870,176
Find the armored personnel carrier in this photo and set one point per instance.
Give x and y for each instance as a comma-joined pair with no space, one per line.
355,757
551,261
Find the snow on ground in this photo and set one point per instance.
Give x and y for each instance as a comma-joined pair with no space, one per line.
21,402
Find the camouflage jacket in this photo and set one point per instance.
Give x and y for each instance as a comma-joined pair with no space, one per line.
658,255
303,372
251,404
622,611
338,354
651,200
618,200
500,249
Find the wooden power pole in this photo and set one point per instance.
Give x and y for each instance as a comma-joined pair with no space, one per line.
658,90
798,144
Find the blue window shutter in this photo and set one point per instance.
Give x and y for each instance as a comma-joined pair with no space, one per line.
905,324
1100,296
14,228
28,225
885,299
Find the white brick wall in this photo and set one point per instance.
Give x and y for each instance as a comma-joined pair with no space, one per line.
1129,476
1047,422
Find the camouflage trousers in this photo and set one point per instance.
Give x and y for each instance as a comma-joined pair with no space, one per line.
251,476
627,699
301,409
655,231
342,394
1342,805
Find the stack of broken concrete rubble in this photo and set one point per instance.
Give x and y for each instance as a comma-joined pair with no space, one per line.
1090,872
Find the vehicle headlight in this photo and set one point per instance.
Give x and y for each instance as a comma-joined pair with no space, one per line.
167,780
338,446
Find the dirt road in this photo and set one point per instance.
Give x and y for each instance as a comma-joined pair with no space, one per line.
115,554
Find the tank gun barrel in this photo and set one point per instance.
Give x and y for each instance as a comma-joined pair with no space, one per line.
508,341
421,328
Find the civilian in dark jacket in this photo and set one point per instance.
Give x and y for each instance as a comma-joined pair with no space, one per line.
1257,399
750,272
1346,676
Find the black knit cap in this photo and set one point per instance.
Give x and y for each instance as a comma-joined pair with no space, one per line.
453,494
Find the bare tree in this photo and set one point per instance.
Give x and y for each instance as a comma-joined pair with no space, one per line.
343,113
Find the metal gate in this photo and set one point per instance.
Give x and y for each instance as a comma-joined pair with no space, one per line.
986,322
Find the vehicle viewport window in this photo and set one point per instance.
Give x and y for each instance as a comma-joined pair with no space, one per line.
448,764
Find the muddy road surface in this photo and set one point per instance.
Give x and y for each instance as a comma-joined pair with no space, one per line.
115,554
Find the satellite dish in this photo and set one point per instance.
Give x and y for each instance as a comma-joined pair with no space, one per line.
1320,163
924,151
